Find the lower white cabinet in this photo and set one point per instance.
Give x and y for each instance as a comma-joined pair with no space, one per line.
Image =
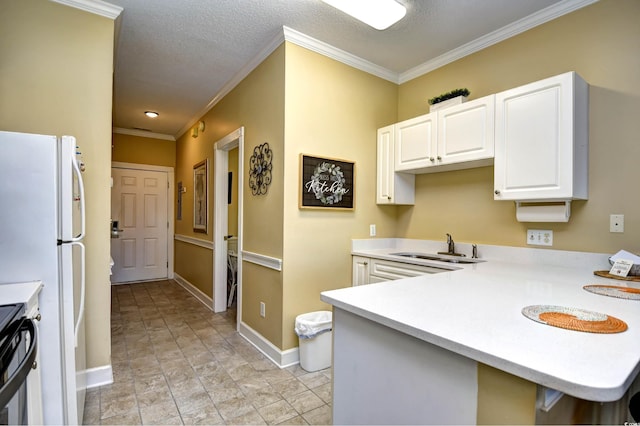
360,270
369,270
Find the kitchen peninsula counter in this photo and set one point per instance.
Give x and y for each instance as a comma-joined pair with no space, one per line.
475,313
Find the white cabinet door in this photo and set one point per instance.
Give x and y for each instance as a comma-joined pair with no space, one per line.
139,204
391,187
360,271
415,142
466,132
542,140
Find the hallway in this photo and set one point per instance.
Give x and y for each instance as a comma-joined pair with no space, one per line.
176,362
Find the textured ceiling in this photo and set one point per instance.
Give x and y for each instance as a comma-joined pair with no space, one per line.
174,56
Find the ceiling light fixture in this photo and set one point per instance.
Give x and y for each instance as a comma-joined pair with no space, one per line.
380,14
151,114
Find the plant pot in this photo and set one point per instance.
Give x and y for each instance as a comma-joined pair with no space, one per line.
448,103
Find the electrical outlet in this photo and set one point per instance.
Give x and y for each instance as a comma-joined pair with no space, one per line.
538,237
372,230
616,223
262,309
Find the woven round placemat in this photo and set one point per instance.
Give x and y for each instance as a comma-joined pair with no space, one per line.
606,274
629,293
574,319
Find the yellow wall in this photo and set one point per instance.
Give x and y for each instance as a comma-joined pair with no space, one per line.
195,264
302,102
141,150
333,111
599,42
257,103
56,67
504,399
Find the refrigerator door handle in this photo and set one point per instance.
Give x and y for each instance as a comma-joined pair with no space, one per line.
82,291
76,170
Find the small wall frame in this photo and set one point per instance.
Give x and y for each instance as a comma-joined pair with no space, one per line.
201,196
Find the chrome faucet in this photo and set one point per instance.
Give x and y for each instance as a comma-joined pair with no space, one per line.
451,248
474,251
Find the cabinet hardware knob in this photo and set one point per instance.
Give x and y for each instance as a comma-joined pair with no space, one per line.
432,159
388,197
366,263
439,158
497,192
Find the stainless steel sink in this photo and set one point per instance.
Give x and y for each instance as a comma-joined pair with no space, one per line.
438,257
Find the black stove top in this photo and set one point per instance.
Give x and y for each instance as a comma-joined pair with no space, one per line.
8,313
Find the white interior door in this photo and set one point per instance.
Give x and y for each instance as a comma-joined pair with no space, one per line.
139,204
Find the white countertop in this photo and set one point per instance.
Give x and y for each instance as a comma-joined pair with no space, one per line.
24,292
475,311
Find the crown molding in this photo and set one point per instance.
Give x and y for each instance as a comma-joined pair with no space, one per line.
545,15
96,7
339,55
303,40
142,133
231,84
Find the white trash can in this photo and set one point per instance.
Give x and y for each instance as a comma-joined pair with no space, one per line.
314,332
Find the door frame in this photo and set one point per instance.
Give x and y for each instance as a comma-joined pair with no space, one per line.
221,150
170,203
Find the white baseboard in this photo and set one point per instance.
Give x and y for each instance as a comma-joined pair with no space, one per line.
98,376
281,358
195,291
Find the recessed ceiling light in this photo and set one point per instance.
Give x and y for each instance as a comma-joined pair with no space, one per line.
151,114
380,14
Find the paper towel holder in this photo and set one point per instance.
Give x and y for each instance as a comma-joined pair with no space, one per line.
556,211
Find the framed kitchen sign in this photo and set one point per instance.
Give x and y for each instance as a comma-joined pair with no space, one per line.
326,183
200,196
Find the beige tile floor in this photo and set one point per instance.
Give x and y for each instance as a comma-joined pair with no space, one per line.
176,362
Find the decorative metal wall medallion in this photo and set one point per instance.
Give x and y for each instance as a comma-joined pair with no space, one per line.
260,169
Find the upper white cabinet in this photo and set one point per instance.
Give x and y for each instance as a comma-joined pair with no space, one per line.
453,138
391,187
415,142
466,133
541,144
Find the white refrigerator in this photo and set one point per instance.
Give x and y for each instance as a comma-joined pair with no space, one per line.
42,225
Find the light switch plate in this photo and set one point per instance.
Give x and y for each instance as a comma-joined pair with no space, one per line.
539,237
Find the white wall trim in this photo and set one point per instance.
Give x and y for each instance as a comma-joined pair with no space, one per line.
281,358
142,133
96,7
339,55
195,291
195,241
98,376
221,150
262,260
545,15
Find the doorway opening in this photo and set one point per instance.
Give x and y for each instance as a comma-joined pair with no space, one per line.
227,277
